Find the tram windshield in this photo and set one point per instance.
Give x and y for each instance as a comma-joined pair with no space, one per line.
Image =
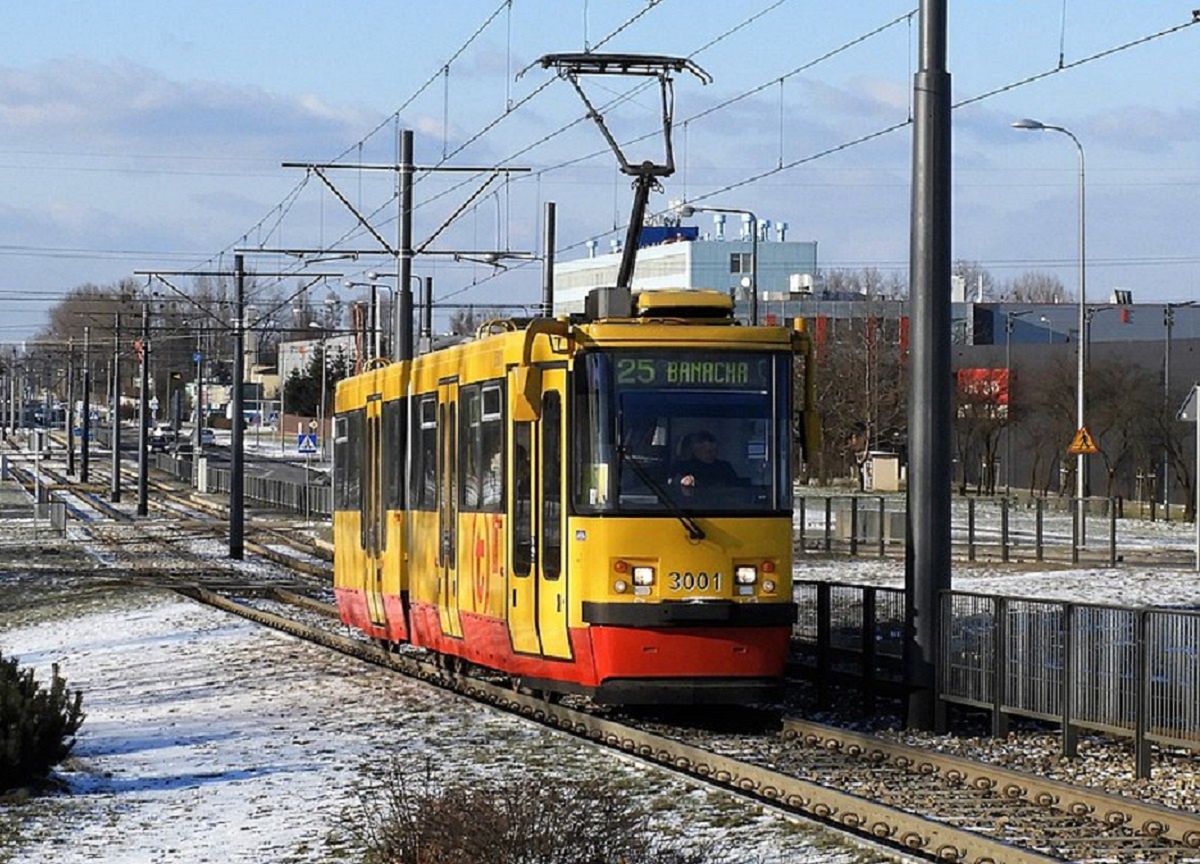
693,431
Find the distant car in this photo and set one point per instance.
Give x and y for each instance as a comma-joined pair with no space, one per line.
161,437
207,437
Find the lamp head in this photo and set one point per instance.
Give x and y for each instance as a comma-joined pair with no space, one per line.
1027,123
687,211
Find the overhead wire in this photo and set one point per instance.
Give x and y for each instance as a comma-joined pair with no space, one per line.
351,148
879,133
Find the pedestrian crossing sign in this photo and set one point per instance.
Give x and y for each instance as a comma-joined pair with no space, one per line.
306,442
1083,444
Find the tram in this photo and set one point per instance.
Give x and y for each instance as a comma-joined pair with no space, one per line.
599,504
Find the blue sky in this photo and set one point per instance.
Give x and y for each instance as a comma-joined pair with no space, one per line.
136,135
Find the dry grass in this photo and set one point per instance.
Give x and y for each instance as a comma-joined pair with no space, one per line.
409,818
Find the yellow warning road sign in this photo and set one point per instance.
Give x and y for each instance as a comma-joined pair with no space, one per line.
1083,444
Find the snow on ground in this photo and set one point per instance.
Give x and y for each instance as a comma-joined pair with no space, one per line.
209,739
1132,586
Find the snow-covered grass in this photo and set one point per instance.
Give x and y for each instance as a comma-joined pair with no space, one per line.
1140,586
209,739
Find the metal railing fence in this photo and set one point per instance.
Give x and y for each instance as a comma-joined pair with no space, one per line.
1118,670
1001,529
306,498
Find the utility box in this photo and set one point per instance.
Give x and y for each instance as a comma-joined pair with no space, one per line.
883,472
202,474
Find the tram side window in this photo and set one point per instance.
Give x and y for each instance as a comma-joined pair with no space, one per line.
347,441
468,447
481,448
423,494
492,450
522,504
341,462
551,484
394,428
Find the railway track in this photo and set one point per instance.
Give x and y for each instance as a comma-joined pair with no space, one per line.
922,804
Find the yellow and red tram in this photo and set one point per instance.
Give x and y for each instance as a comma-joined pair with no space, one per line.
599,507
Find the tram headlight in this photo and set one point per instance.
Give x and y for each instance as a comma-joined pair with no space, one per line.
768,587
745,574
643,575
620,586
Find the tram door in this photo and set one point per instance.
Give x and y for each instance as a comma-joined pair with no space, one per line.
372,514
550,517
447,560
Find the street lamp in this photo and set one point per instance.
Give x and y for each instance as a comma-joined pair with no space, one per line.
1009,317
1080,463
689,210
1092,313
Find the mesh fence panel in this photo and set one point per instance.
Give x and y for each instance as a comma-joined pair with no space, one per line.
1033,663
1173,657
968,646
1103,661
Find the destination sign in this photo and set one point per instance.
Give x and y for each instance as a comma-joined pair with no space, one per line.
740,371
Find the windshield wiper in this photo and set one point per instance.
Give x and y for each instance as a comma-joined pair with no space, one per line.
695,532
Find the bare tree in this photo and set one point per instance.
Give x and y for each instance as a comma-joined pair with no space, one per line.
1124,403
1036,287
980,420
1046,421
464,322
976,278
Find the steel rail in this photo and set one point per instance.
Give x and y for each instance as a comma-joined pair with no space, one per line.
1145,818
872,820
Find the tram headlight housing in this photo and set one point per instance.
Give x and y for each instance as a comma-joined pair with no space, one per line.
620,586
768,587
643,576
745,574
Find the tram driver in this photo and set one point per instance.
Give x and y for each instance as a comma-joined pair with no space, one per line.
703,468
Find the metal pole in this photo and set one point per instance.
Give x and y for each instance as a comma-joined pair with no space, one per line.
70,406
236,461
1008,328
427,315
85,421
1168,323
144,414
14,391
376,334
1081,460
403,339
754,269
197,437
1196,483
114,421
548,240
321,407
927,559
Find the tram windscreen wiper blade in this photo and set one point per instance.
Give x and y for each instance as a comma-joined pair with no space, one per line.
694,530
